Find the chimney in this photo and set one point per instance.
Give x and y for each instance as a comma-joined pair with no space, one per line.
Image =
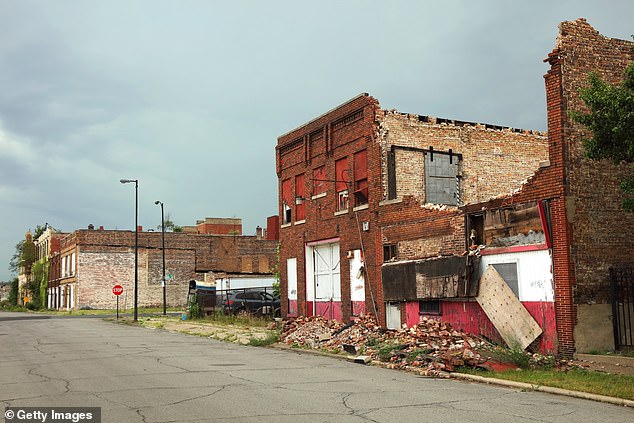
258,232
101,228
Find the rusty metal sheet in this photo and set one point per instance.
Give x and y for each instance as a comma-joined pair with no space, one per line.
511,319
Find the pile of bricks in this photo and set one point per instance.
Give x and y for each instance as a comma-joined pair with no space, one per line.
432,347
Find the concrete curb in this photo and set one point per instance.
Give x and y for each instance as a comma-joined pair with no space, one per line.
547,389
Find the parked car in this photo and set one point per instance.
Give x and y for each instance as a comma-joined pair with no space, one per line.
253,301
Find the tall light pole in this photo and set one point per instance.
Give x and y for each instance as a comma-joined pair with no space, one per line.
136,244
164,282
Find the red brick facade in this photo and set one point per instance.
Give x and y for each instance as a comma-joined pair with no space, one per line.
492,161
591,231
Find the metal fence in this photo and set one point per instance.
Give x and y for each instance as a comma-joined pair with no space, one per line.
622,297
258,301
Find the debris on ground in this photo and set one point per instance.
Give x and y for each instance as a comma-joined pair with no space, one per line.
431,347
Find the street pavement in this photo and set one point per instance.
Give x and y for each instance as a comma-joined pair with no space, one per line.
141,375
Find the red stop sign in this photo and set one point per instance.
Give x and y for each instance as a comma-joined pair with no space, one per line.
117,290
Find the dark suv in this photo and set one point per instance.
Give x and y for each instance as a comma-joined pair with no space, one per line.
252,301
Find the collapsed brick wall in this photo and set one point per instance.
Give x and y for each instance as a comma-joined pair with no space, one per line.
495,161
602,232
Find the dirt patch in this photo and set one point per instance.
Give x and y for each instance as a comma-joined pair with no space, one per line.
613,364
221,331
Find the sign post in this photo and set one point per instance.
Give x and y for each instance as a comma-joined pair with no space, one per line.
117,290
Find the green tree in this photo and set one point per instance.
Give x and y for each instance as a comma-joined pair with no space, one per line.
611,120
13,293
14,263
170,226
17,258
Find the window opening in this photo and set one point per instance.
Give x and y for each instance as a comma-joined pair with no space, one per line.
319,183
441,178
300,207
361,178
429,307
508,271
341,184
390,252
286,201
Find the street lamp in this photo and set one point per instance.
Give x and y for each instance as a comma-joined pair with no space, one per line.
163,249
136,244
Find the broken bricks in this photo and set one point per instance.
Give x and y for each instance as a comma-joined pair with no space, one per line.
432,346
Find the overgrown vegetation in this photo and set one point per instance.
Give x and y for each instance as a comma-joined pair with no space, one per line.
619,386
271,338
611,120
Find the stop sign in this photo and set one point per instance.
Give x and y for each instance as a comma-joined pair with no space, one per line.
117,290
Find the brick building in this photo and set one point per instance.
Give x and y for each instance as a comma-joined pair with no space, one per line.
402,215
362,188
92,261
591,231
216,226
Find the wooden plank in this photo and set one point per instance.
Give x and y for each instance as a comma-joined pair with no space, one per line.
511,319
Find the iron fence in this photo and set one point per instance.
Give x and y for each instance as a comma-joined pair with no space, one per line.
622,298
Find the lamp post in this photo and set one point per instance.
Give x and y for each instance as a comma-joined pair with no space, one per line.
136,244
163,249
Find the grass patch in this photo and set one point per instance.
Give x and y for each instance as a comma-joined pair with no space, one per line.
271,338
242,321
619,386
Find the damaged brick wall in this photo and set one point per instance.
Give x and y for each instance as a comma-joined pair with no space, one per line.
602,231
590,230
495,160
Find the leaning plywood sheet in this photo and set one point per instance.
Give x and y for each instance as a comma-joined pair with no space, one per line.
516,326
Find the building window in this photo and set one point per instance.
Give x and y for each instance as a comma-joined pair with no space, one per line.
361,178
287,201
319,180
441,178
390,252
341,184
508,271
429,307
300,206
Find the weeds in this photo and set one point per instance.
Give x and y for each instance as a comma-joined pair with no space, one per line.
271,338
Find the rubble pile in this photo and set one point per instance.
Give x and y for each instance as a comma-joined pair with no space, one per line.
432,347
308,331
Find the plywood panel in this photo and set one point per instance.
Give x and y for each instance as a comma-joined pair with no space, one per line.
511,319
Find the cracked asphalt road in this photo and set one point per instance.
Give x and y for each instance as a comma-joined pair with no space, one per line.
141,375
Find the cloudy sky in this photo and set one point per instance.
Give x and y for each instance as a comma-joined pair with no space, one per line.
190,96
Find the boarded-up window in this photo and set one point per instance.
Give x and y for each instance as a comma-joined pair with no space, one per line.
361,178
287,197
300,209
341,184
319,183
441,178
508,271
